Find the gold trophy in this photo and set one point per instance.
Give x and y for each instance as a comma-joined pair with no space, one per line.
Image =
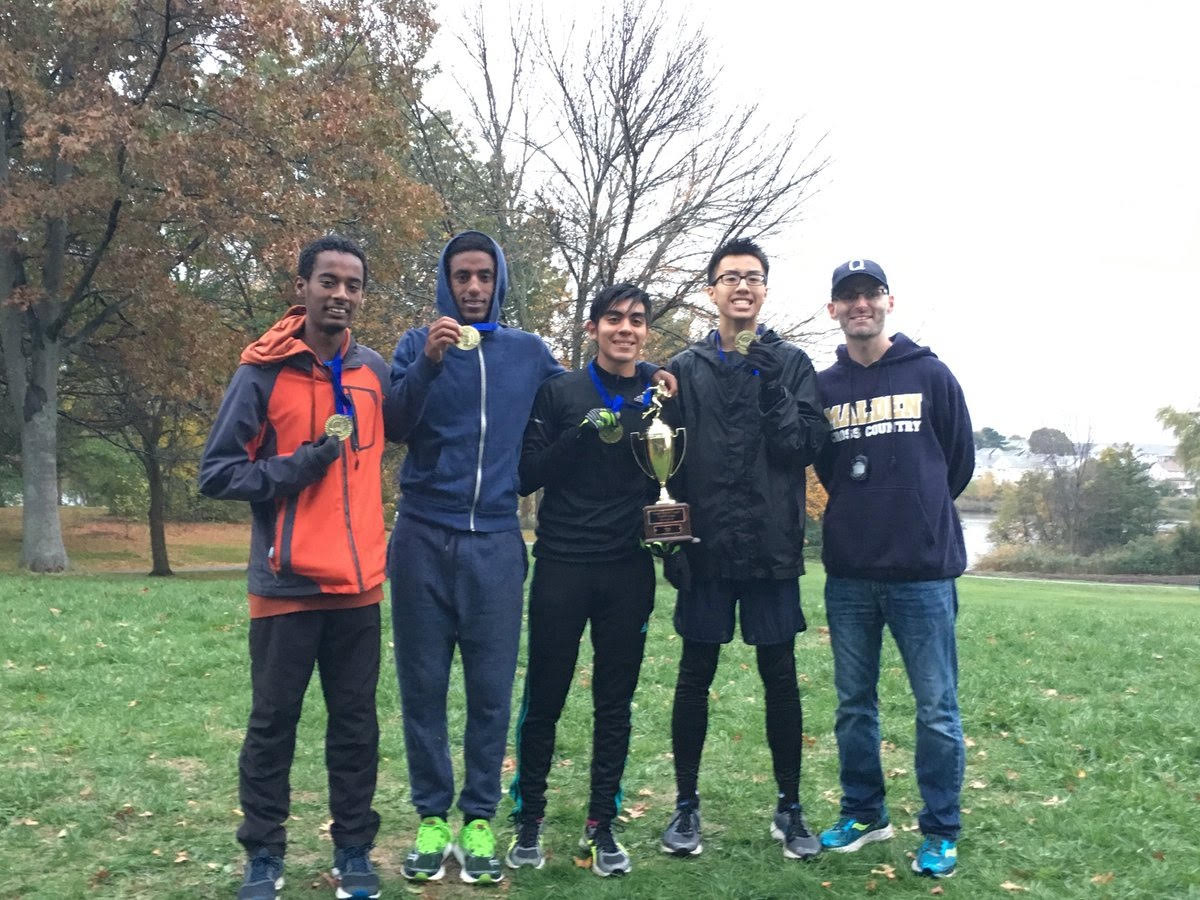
666,520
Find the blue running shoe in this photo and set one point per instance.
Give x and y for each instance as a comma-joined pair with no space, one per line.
850,834
937,857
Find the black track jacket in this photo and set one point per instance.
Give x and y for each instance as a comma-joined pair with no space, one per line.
748,444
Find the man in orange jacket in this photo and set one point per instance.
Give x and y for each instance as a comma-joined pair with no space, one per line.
300,436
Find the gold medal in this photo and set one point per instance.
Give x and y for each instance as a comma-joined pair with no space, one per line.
742,342
610,434
339,426
468,338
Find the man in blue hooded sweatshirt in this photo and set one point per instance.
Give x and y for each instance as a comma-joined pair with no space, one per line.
900,450
461,392
457,558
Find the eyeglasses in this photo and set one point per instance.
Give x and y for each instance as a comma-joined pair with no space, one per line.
849,296
733,279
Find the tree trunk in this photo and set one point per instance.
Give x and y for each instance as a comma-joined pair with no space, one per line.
42,548
160,565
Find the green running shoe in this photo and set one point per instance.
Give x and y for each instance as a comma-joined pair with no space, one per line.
849,834
937,857
426,860
475,851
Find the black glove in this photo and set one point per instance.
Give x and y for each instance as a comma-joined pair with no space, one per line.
763,358
327,449
676,568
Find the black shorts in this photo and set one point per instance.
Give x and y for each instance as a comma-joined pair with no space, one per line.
770,610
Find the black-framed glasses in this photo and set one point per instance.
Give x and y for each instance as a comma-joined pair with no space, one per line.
733,279
849,295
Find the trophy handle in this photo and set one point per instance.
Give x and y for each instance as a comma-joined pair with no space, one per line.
681,437
634,441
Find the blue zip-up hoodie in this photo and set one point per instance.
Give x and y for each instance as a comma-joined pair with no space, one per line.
463,419
906,414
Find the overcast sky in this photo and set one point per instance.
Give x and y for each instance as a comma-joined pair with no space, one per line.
1025,173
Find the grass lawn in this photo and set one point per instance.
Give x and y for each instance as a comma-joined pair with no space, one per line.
123,699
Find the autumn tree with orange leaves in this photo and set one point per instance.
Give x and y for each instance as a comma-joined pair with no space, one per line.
179,152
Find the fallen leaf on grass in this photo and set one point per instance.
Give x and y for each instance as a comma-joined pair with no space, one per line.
63,833
886,746
100,875
896,773
1158,656
181,856
978,784
1054,801
1011,774
145,814
1103,879
969,743
131,703
86,792
1050,692
1159,855
645,792
826,884
912,826
584,862
636,811
156,852
1010,886
937,891
1081,774
809,741
564,763
58,612
885,870
27,821
509,766
327,880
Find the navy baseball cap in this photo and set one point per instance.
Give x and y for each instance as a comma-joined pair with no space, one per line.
858,267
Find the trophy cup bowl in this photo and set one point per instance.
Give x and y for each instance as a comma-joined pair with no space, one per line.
666,520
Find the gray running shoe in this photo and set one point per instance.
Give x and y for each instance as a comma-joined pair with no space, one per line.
790,828
354,874
526,846
682,837
608,857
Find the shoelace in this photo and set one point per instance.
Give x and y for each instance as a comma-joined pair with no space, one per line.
527,836
355,861
685,819
603,836
797,827
263,867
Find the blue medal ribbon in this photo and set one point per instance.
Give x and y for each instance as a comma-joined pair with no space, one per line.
484,327
341,400
609,401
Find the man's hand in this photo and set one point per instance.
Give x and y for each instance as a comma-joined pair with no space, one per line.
598,418
326,449
667,380
763,358
442,334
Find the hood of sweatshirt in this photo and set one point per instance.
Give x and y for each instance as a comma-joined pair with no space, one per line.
445,299
283,340
903,349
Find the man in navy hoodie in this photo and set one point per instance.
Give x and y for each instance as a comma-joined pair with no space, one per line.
900,450
460,397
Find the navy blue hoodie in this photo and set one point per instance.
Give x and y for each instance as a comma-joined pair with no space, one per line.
906,414
463,419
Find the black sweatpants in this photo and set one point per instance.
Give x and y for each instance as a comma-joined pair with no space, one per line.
785,721
617,597
344,645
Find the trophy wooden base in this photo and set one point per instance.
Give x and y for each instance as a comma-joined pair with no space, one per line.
668,523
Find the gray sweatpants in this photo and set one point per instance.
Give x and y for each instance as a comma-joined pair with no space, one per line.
455,588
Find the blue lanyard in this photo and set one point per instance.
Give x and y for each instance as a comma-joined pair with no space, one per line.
484,327
721,353
609,401
341,400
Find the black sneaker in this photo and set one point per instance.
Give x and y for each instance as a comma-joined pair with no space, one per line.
608,857
792,830
682,837
526,846
264,877
354,874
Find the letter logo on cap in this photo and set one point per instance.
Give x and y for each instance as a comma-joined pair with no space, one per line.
856,265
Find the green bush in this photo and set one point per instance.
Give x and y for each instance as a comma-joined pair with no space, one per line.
1173,553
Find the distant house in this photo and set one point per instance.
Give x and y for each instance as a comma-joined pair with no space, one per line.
1008,465
1166,469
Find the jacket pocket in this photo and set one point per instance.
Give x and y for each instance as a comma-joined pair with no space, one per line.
877,528
281,561
366,416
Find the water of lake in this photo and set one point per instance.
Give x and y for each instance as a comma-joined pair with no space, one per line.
975,529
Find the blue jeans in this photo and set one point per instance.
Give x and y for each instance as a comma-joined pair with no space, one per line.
921,617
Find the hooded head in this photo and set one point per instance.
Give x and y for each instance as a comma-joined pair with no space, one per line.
472,279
